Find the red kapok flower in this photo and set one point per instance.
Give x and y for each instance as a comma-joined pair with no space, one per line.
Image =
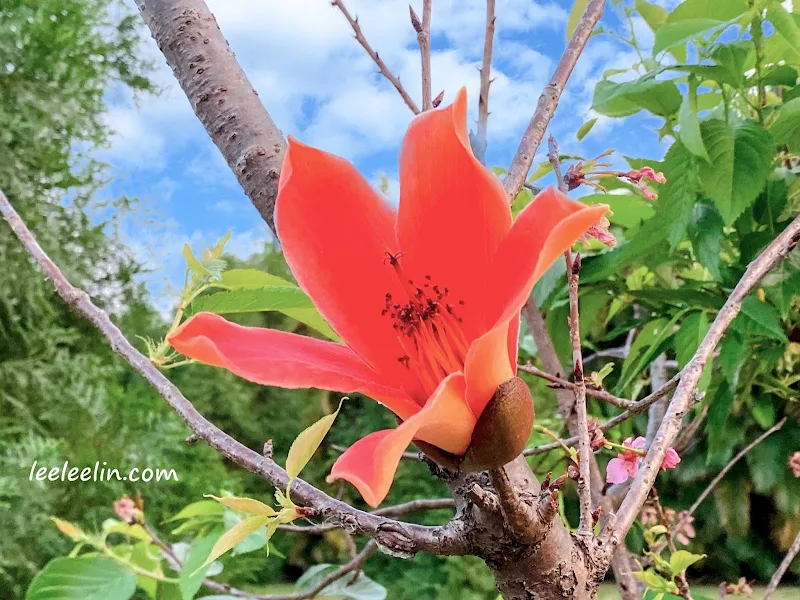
426,297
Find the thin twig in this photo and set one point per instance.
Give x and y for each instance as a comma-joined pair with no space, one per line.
680,578
555,162
486,81
658,377
584,442
559,383
357,559
727,468
685,393
424,40
640,406
394,512
384,70
546,106
794,549
394,535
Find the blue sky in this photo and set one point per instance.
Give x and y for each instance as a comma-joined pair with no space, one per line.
320,86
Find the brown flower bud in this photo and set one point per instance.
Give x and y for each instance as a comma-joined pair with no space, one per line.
500,435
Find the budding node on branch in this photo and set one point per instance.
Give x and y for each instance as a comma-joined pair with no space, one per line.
438,100
415,22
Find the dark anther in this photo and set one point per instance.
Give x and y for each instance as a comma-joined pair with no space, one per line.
394,259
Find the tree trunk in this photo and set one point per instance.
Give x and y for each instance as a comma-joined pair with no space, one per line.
553,565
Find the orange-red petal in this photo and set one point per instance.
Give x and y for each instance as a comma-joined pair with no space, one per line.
284,359
488,365
335,230
543,231
370,463
453,211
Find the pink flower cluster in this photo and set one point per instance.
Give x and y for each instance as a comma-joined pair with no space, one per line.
794,463
680,523
626,464
640,176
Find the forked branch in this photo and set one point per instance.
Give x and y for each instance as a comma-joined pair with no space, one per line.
685,393
393,535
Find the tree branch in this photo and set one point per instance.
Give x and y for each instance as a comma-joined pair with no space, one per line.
394,535
483,99
680,578
727,468
396,511
528,519
534,133
559,383
684,396
638,408
794,549
384,70
584,442
221,95
423,29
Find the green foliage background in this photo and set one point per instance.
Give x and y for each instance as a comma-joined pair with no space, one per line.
732,184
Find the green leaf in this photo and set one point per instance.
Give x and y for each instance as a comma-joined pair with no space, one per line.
201,508
233,536
678,195
644,348
653,14
93,578
785,129
306,444
688,338
623,99
652,579
682,560
674,34
690,124
759,318
216,251
784,24
706,234
252,279
194,264
245,505
718,412
732,354
740,163
578,8
725,10
763,411
290,300
195,566
585,128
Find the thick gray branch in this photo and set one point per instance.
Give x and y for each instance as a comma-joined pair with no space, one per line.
221,95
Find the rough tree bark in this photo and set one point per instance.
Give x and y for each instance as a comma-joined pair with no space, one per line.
221,95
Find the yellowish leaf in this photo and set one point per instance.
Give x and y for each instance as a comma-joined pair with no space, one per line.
233,536
68,529
306,444
245,505
575,15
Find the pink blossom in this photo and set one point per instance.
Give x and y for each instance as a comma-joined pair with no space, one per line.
649,173
647,192
794,463
686,531
671,459
600,232
626,464
125,508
